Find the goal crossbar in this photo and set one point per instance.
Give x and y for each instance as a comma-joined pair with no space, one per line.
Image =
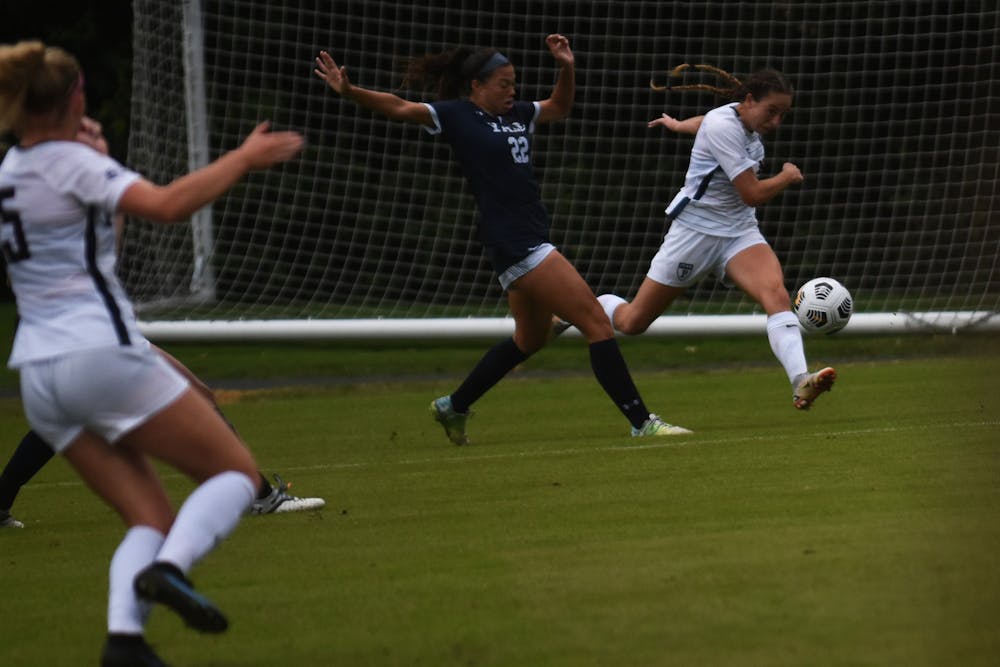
484,327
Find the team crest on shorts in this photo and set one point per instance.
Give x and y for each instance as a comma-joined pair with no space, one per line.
684,270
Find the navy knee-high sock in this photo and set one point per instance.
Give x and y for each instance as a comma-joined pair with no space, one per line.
611,371
29,457
495,364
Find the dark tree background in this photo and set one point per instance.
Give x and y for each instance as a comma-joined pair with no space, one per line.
99,34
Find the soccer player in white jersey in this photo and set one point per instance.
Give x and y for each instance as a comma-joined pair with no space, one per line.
714,226
490,134
32,453
91,386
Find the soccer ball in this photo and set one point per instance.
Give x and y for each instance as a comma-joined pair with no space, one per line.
823,306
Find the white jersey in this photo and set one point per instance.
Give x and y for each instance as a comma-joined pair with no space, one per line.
57,202
723,149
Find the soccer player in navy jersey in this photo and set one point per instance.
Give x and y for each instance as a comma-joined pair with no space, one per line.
490,133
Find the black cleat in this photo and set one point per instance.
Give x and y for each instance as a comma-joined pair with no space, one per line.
164,583
129,651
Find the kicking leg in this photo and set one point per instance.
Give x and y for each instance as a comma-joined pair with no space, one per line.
757,271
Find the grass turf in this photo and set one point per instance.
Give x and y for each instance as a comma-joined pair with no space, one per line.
862,532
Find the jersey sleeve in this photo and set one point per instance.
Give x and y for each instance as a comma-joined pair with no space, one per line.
92,178
435,127
727,144
529,111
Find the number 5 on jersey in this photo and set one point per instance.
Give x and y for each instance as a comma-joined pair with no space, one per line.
17,248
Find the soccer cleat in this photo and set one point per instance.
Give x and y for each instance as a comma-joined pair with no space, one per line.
129,651
559,326
279,500
656,426
164,583
453,422
811,386
7,521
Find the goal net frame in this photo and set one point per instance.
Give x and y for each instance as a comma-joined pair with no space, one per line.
894,127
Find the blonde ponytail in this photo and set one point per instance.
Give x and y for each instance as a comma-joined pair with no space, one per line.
34,80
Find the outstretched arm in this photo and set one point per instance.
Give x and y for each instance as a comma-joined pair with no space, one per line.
686,126
178,200
560,101
385,104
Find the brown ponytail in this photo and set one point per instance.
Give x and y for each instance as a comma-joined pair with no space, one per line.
758,84
449,74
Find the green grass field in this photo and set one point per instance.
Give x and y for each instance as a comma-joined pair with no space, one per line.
864,532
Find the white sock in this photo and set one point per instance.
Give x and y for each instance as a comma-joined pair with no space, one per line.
126,612
207,517
786,343
610,303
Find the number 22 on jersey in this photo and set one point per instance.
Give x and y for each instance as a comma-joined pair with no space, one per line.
519,149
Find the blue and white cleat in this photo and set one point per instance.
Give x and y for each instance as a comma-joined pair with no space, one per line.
279,501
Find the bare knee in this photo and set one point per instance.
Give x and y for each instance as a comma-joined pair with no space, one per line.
631,322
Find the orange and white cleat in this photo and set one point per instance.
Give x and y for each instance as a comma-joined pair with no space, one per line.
811,386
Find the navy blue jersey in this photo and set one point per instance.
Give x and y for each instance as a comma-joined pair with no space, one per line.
495,155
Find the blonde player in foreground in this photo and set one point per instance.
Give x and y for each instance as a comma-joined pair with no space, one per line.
91,385
32,453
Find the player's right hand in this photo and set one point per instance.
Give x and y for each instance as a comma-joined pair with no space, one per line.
263,148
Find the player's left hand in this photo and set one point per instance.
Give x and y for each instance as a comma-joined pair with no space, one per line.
559,47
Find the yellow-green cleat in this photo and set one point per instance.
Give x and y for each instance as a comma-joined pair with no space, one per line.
452,421
656,426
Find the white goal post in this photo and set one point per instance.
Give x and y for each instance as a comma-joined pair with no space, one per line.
370,233
495,327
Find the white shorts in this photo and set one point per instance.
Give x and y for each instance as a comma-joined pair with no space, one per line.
534,258
107,391
688,255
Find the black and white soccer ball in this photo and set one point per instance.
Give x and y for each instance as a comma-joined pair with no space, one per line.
823,305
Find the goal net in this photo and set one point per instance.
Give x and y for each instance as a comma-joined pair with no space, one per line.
894,126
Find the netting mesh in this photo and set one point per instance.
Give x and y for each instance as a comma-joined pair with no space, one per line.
895,125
